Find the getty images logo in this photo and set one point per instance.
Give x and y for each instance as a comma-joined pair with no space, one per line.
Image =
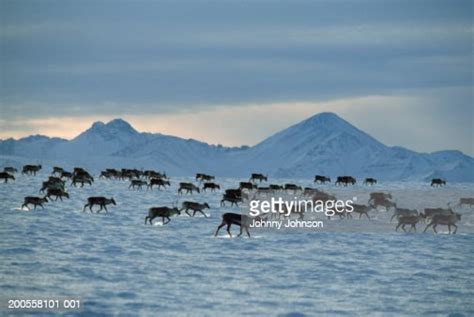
285,207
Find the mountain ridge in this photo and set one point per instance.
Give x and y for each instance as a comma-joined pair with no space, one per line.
321,144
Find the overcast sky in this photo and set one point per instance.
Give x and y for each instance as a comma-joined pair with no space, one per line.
234,72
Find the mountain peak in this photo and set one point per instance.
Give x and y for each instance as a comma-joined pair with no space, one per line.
120,124
116,128
324,123
97,125
326,118
115,125
324,132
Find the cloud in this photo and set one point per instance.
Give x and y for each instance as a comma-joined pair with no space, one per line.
367,35
189,61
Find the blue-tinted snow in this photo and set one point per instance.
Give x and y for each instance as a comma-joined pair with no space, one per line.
117,265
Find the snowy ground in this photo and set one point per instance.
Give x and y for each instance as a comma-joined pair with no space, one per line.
117,265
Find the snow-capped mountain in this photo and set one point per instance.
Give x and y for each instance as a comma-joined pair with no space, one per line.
328,145
34,146
322,144
101,140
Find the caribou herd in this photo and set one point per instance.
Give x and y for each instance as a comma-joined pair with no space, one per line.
54,188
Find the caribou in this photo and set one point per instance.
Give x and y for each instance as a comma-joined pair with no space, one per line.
188,187
447,220
437,182
377,202
429,213
211,186
153,174
321,179
204,177
345,180
81,179
195,207
234,192
379,196
130,173
59,193
160,182
370,181
80,172
411,220
247,185
293,187
31,169
99,200
229,219
57,170
258,177
35,201
137,184
108,174
163,212
404,212
275,187
199,176
52,184
232,198
361,210
6,176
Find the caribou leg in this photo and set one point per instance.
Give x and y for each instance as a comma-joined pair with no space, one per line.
219,228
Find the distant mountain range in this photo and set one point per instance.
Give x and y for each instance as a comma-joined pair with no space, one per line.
322,144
